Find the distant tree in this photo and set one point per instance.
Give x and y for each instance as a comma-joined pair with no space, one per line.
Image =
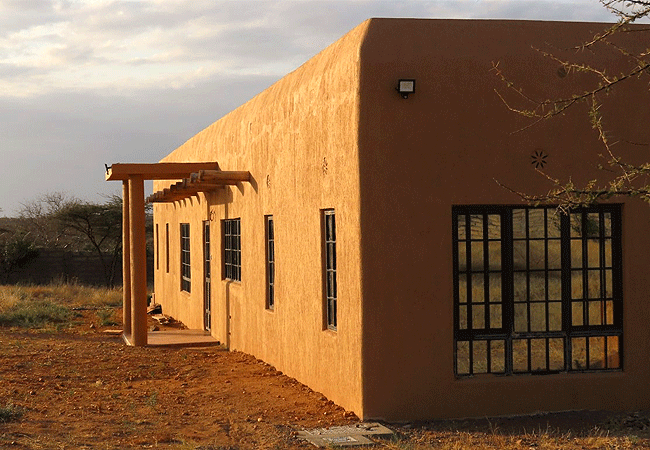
38,218
16,250
98,227
623,178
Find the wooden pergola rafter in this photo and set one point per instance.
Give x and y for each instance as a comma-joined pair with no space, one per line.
196,177
201,181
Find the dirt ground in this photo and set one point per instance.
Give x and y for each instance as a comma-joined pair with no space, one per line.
82,388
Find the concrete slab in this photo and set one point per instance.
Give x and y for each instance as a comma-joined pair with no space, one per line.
345,436
180,338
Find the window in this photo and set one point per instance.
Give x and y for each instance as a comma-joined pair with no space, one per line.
536,291
157,250
185,257
167,248
329,265
232,249
270,263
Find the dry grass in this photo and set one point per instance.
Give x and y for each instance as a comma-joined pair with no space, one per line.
52,305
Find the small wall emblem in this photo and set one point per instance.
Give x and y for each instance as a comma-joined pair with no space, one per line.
538,158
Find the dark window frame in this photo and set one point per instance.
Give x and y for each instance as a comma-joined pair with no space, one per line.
269,226
186,268
330,286
231,249
508,287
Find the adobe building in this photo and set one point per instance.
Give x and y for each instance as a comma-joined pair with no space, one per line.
355,237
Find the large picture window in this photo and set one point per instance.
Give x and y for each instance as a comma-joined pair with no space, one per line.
232,249
185,258
536,291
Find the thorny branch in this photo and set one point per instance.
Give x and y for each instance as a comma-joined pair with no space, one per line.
628,180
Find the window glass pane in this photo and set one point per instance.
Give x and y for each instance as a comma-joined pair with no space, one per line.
576,224
592,225
554,316
593,253
519,223
477,226
608,284
478,317
597,354
576,253
462,256
536,223
494,226
597,312
480,356
578,354
554,255
521,317
520,355
462,288
462,317
478,288
495,287
556,354
519,255
495,315
461,227
607,224
520,286
494,250
593,284
537,286
477,256
537,317
462,357
554,285
497,356
609,312
576,284
608,253
577,318
536,255
613,360
537,354
553,223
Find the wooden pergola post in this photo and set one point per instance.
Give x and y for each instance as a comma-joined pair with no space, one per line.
126,263
138,261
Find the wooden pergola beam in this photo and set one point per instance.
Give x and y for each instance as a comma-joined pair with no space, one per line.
156,171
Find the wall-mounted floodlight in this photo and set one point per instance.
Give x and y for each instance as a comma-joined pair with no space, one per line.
406,87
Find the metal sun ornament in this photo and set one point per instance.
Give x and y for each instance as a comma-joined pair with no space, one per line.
539,159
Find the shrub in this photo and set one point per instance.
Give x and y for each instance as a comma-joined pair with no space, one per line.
9,413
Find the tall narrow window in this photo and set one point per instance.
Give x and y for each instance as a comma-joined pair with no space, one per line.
185,258
167,248
270,263
536,291
232,249
329,243
157,250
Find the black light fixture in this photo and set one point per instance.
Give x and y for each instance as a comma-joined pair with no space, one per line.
405,87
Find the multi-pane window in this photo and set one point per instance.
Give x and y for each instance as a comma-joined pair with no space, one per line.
232,249
329,242
185,258
536,291
270,263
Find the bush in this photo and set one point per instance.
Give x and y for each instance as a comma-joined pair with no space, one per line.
34,314
9,413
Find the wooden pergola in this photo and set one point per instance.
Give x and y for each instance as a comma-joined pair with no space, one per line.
196,177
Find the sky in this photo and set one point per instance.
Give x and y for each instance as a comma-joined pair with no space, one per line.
85,83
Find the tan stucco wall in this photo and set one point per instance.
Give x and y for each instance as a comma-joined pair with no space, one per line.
446,145
299,141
